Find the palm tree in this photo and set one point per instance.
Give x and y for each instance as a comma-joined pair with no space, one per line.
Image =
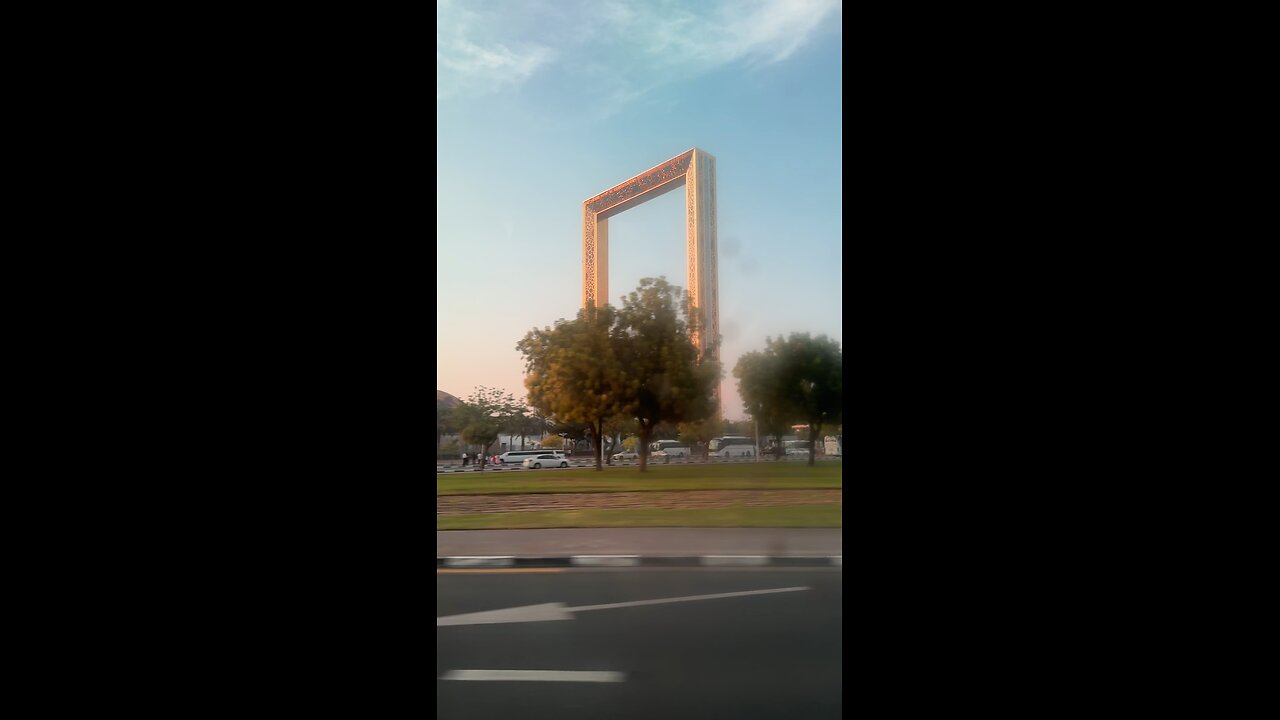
542,423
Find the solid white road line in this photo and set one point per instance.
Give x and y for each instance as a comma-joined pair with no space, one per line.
557,611
536,675
687,598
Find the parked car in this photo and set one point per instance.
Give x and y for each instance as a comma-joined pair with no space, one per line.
627,455
549,459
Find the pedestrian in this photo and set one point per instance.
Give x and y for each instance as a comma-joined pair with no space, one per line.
464,458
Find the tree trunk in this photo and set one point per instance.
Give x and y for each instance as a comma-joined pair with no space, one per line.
597,428
646,431
815,430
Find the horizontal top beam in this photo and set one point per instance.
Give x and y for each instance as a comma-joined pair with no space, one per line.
655,181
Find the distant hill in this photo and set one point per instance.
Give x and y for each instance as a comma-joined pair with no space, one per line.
444,398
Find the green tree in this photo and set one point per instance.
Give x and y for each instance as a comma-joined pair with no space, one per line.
570,433
610,367
544,421
552,442
666,431
665,379
526,423
449,449
614,430
445,423
630,443
483,416
761,383
794,378
573,371
700,433
815,376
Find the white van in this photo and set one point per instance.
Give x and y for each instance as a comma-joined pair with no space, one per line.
515,457
673,448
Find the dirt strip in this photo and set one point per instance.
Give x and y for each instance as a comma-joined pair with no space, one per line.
463,504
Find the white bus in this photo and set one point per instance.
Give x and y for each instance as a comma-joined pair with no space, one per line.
515,457
796,448
674,448
732,446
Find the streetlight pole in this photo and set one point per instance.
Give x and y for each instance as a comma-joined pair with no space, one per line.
755,424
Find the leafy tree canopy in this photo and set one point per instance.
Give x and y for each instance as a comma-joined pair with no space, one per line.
701,432
764,395
666,380
795,379
483,415
573,372
610,367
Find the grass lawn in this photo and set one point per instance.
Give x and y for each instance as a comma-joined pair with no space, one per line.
734,476
799,516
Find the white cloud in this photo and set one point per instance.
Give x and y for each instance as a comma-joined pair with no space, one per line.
634,47
465,61
776,29
496,64
712,34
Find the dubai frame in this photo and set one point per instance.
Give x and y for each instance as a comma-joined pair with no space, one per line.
696,171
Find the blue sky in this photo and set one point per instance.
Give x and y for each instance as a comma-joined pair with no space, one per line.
541,105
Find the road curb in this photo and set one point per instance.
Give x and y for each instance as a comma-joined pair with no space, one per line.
509,561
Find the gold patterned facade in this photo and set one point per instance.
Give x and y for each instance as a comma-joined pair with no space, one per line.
694,170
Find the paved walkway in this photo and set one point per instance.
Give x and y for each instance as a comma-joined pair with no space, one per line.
664,542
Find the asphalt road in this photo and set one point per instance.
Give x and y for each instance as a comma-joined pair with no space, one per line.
760,655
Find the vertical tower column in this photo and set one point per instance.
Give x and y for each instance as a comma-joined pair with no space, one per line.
701,246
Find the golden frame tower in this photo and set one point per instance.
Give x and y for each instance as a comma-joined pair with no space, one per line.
695,170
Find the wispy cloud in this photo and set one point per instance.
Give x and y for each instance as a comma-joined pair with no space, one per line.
714,34
488,68
633,46
777,28
467,59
